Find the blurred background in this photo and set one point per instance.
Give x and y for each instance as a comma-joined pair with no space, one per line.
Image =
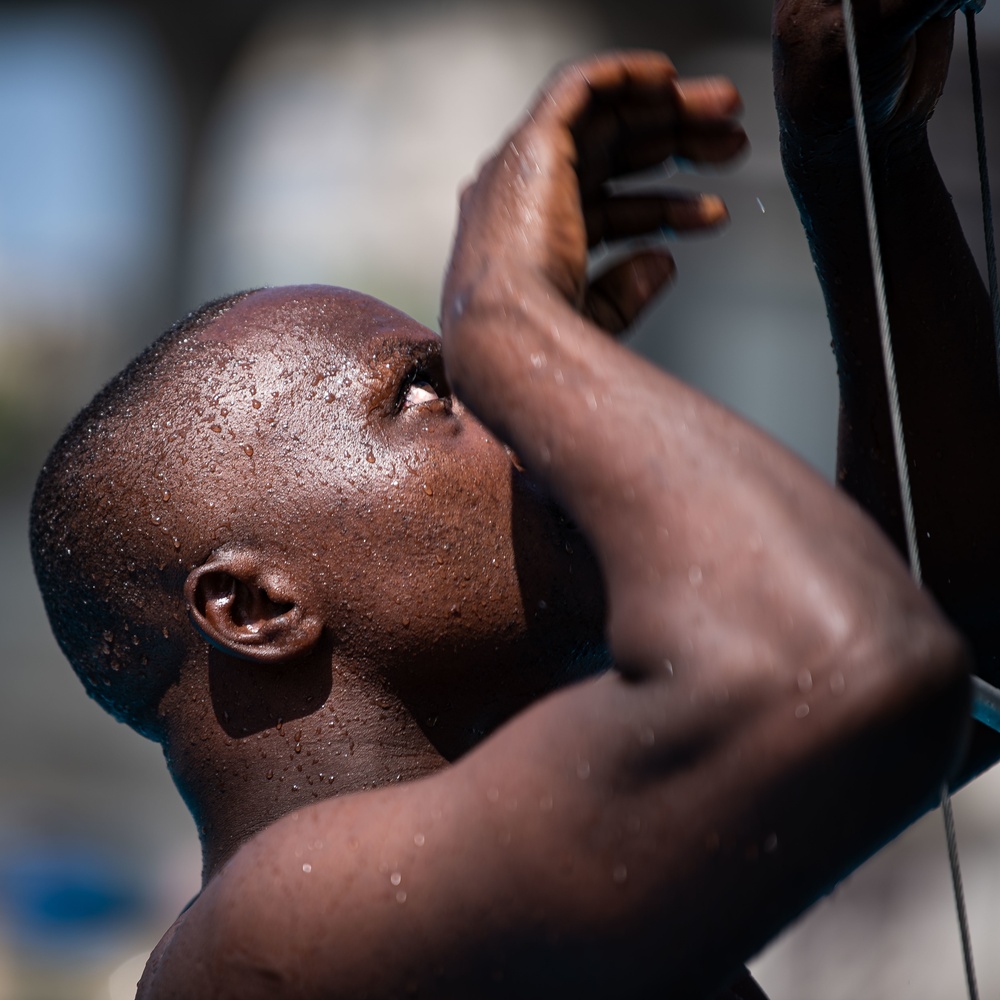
158,154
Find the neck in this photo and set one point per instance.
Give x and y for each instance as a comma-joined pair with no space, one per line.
238,783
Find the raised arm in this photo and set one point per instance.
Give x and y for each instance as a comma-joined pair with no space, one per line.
940,314
650,829
729,567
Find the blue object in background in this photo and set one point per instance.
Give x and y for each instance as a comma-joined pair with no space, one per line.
69,901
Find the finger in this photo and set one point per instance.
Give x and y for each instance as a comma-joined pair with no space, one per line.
640,75
624,216
708,98
616,136
615,299
714,145
696,120
700,100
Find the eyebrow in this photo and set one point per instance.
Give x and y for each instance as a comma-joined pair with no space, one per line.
386,357
393,350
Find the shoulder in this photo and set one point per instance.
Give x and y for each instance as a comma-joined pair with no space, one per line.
146,988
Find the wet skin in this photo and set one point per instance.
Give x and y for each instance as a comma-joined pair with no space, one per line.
421,587
429,555
640,832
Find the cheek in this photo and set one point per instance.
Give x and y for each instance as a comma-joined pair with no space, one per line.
431,553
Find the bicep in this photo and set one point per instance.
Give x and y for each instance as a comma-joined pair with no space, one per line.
617,832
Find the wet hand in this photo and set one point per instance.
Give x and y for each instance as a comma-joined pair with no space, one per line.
549,196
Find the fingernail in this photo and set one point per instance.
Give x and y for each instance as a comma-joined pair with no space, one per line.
713,208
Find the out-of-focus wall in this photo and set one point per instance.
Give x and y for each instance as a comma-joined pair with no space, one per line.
328,145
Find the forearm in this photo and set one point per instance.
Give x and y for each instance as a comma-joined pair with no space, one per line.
944,355
646,466
612,437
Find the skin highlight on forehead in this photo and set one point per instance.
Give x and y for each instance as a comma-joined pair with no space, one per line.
320,311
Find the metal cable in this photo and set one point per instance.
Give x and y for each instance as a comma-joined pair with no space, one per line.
956,884
902,468
878,273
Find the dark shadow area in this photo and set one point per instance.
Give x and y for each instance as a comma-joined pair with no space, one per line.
250,697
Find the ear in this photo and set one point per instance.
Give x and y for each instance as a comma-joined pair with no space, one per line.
246,607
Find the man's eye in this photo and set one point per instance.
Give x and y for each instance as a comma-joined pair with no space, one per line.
419,392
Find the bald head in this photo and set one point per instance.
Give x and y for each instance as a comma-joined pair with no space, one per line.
285,464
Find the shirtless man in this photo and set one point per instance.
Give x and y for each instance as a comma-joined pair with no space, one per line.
282,544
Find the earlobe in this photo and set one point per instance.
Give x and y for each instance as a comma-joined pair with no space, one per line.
243,606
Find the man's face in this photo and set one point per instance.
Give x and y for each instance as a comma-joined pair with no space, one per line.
435,560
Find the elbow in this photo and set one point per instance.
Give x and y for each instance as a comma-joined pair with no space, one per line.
905,693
